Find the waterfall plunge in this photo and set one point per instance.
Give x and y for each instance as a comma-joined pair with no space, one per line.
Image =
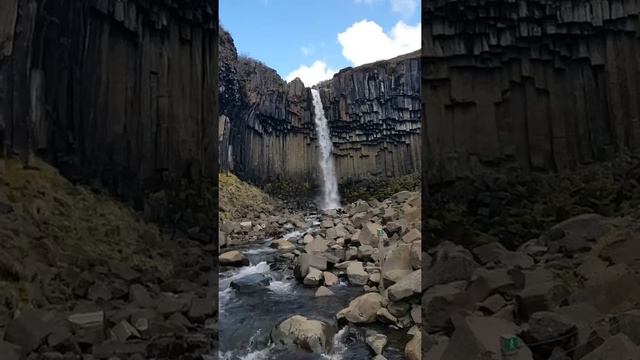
330,196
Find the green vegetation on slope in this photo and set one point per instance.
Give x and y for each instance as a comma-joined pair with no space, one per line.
238,198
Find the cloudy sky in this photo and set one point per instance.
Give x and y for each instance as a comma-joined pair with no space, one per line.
313,39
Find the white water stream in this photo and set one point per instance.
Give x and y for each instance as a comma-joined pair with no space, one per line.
330,196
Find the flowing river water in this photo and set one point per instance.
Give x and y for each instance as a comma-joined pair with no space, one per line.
246,319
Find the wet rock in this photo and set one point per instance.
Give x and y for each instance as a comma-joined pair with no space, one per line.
384,316
362,309
250,283
307,334
356,273
377,342
283,245
233,258
323,291
413,349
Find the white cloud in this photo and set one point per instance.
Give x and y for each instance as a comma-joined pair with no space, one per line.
365,41
404,7
311,75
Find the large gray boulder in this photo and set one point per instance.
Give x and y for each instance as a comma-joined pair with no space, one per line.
307,334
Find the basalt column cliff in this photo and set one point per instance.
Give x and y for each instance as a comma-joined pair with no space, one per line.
117,90
266,126
529,85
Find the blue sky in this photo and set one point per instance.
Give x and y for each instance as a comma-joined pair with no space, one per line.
313,39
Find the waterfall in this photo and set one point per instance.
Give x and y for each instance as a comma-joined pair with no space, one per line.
330,196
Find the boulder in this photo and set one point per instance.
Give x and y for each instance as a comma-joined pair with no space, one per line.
308,260
397,262
311,335
330,279
411,236
369,234
618,347
10,351
317,245
313,278
28,330
250,283
415,256
441,301
451,263
377,342
362,309
406,287
123,331
540,297
413,349
233,258
356,273
478,338
283,245
138,295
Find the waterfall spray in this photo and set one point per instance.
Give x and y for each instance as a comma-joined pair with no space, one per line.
330,196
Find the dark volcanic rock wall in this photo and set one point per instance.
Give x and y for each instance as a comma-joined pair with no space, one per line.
529,85
267,129
119,90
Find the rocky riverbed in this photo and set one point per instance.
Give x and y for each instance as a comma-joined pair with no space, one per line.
311,287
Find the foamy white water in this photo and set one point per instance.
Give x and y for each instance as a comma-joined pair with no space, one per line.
330,196
259,268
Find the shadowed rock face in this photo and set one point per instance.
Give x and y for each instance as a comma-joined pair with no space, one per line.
122,91
267,130
528,85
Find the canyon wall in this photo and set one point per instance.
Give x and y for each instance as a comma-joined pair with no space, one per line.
267,130
524,85
123,91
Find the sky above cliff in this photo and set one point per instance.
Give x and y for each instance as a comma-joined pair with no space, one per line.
313,39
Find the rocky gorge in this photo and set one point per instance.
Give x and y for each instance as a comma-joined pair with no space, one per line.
266,127
315,285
